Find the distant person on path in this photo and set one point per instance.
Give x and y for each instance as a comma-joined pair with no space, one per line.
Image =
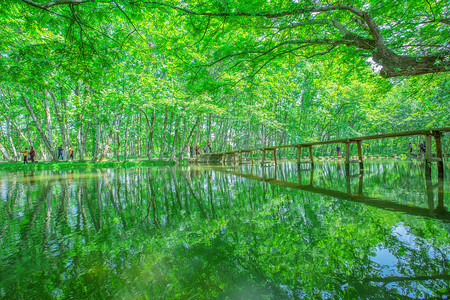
197,150
25,156
192,150
422,148
32,154
410,148
209,146
338,149
71,153
60,152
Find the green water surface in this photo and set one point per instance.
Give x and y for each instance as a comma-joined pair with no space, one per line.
226,232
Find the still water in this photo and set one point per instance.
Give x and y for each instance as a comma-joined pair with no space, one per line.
226,232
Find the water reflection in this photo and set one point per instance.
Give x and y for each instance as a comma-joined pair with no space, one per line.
225,233
282,176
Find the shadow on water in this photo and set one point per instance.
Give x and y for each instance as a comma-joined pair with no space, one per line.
226,232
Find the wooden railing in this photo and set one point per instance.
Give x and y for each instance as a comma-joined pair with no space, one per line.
435,133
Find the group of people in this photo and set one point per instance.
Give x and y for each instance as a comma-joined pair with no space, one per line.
30,155
61,152
422,148
191,149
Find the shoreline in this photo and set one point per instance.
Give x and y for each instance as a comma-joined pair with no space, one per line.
70,165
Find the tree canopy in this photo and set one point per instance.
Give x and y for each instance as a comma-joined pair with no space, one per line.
153,78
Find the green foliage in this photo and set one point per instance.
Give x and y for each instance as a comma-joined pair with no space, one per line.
113,64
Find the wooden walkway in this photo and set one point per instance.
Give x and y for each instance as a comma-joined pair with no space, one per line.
429,134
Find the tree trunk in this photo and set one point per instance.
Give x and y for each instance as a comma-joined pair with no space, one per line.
47,142
62,126
97,142
11,143
81,137
49,121
150,135
8,129
118,146
208,135
5,153
180,155
163,137
107,142
172,154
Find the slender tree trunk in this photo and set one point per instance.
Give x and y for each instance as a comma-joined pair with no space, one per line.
180,155
82,137
62,126
163,137
27,140
172,154
48,121
150,135
8,128
5,153
107,142
47,142
97,142
118,146
184,135
43,153
225,133
197,135
208,135
10,140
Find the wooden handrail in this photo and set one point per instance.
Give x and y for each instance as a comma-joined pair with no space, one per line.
432,132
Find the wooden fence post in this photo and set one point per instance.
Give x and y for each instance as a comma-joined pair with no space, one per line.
428,154
440,162
347,158
360,157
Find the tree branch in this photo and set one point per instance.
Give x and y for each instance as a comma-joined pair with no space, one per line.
55,3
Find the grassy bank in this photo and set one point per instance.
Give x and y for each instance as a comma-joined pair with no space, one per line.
70,165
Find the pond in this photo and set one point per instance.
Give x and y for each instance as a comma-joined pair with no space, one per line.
244,232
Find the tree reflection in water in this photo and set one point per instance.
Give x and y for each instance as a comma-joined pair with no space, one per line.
225,232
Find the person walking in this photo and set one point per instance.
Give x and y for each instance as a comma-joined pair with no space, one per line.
410,148
209,146
338,149
71,153
60,152
32,154
25,156
192,150
197,150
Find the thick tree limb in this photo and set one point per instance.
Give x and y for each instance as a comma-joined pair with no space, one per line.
54,3
393,65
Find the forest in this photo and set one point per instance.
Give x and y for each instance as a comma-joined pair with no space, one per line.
125,79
